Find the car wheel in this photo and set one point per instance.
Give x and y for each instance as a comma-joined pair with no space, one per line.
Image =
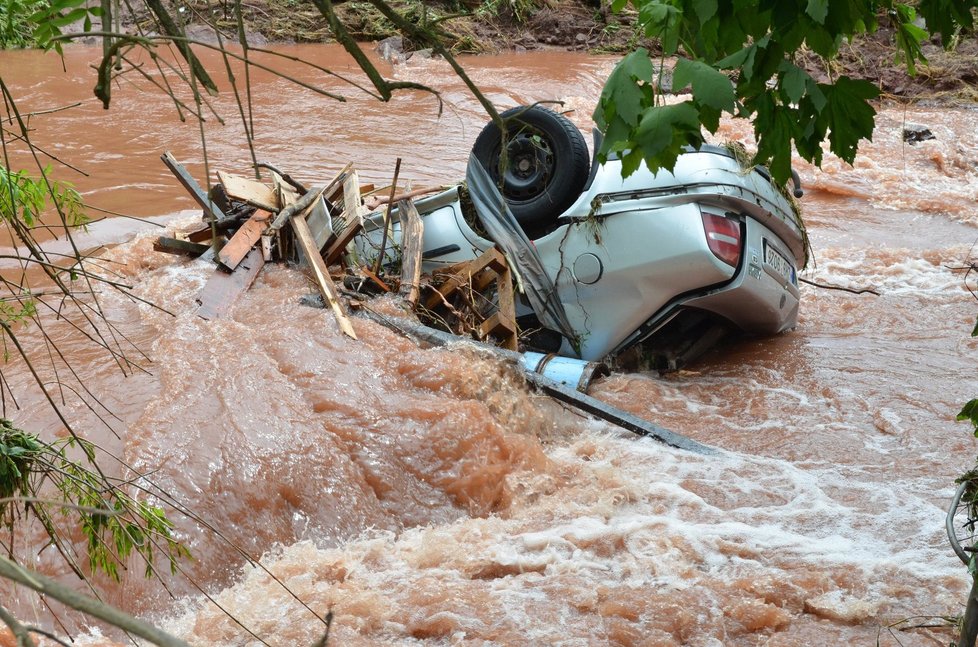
547,164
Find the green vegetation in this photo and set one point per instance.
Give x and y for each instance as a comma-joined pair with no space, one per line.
33,23
38,477
740,58
15,26
521,9
26,198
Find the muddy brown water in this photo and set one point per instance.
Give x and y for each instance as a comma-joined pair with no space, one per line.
426,497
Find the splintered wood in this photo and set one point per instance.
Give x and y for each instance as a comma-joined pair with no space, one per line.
249,223
255,223
412,241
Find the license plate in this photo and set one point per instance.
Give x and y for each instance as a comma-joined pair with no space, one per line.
778,263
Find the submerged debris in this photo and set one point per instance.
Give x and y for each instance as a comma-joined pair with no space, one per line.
914,133
250,223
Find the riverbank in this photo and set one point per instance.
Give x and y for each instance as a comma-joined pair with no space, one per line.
949,77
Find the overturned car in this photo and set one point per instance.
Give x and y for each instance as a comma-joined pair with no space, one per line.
651,269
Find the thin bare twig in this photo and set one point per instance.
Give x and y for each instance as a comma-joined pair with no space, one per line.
825,286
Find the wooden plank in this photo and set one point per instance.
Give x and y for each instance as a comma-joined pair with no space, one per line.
284,192
463,275
352,203
412,245
507,308
199,235
321,274
334,188
491,267
376,279
337,248
250,191
190,184
177,246
223,289
244,239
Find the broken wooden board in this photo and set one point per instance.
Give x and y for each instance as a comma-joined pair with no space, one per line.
244,239
178,246
285,193
321,274
337,248
467,273
353,208
334,188
223,289
190,184
251,191
200,235
412,245
502,324
366,271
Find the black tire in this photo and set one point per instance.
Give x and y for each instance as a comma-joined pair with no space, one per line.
547,169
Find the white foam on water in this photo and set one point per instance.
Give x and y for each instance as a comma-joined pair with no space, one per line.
636,516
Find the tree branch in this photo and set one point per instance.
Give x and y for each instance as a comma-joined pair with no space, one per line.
87,605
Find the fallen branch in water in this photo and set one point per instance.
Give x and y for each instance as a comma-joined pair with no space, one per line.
90,606
825,286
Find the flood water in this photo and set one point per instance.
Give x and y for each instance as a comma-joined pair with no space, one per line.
426,497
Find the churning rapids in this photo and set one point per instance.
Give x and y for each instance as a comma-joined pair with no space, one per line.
427,498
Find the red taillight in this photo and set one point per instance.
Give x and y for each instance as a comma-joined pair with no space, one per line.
723,236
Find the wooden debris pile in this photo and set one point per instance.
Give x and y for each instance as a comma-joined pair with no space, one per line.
249,223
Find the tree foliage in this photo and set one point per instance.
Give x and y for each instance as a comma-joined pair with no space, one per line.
114,524
741,58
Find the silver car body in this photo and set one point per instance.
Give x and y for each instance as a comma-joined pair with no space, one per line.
632,253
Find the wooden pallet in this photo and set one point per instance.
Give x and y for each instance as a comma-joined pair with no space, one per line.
479,274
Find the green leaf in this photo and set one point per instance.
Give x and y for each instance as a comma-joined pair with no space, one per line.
908,37
970,413
61,5
618,5
705,9
71,18
818,10
622,95
945,17
736,59
710,86
775,127
794,81
663,132
849,115
974,333
662,21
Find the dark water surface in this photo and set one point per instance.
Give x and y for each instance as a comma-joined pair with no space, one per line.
425,497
